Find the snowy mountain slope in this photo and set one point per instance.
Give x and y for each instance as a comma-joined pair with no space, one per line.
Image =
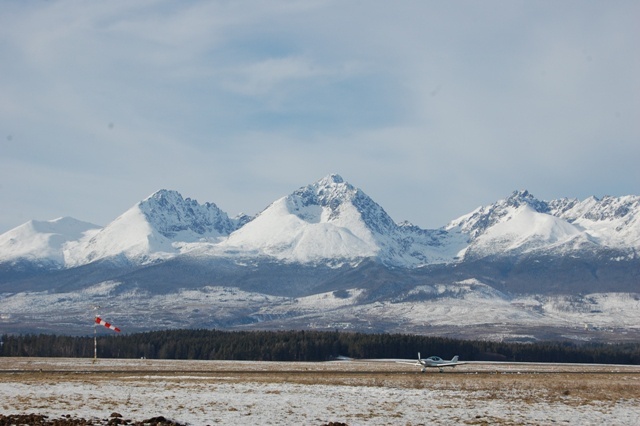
478,221
43,241
332,220
129,237
328,221
153,229
185,219
611,221
314,223
327,256
523,224
523,229
467,309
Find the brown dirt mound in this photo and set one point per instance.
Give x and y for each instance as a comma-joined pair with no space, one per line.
116,419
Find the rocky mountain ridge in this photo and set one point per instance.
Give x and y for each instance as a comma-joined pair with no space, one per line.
329,221
328,256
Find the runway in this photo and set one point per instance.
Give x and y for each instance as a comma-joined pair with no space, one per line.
113,366
372,392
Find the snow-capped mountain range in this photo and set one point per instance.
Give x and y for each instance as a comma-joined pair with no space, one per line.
522,223
330,236
328,221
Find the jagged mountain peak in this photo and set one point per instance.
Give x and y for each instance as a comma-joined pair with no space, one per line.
524,197
332,219
330,180
329,183
329,191
338,198
565,207
594,209
169,213
167,198
522,222
611,208
157,227
477,222
164,194
329,221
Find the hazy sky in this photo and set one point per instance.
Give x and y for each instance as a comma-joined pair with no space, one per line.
432,108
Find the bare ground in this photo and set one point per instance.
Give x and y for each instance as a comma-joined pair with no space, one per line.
349,392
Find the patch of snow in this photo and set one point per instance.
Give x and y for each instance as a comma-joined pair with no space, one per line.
525,229
219,399
466,304
43,240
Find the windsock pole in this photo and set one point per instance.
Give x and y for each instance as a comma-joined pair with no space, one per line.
95,342
95,337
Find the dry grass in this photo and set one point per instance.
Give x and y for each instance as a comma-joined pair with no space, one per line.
475,384
568,388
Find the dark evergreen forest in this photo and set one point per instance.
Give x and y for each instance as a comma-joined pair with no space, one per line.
307,346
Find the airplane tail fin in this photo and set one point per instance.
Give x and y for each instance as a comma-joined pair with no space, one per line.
454,359
419,358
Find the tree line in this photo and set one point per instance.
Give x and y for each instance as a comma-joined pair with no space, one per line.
307,346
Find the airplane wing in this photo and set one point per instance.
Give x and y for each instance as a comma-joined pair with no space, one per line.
449,364
408,363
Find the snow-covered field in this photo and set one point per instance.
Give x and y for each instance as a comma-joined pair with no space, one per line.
468,309
352,392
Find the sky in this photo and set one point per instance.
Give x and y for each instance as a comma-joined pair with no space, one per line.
432,108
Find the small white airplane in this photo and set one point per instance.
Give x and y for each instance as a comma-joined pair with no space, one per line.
436,362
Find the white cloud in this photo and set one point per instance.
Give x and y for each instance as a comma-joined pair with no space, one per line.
456,103
265,76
